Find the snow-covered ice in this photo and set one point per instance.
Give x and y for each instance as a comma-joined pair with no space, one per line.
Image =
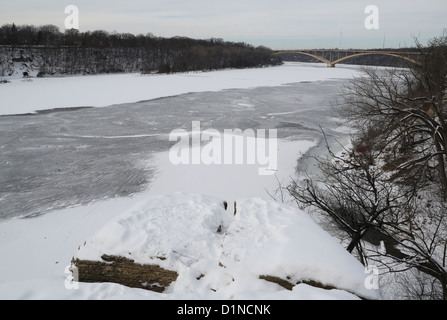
72,157
35,252
29,95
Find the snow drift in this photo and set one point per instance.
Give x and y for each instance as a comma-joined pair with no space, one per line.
219,255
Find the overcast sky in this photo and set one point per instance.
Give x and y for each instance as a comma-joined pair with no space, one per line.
279,24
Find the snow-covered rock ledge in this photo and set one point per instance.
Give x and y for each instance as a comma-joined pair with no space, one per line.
201,251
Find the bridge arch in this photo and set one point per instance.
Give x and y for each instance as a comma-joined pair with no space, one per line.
308,54
333,63
375,53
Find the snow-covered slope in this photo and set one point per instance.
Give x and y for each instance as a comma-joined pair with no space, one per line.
219,255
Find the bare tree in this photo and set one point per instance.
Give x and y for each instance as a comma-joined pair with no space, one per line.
410,107
388,191
419,232
397,227
355,193
415,285
2,65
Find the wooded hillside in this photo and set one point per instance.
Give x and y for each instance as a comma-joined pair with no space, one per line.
47,51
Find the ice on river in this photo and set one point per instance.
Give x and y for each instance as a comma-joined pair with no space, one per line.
75,169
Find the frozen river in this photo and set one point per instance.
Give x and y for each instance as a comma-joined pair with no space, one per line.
61,158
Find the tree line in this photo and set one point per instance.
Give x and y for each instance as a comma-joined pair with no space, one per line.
92,52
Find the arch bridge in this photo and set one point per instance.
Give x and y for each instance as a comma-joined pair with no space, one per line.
332,57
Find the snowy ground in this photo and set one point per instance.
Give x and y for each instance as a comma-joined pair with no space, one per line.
114,158
28,95
221,255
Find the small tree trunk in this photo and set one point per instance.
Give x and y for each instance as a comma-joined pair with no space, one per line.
444,287
442,169
355,241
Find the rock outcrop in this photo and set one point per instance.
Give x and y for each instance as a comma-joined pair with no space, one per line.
191,245
126,272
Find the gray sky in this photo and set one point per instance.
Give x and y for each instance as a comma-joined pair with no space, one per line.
279,24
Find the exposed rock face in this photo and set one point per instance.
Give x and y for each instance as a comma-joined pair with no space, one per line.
288,284
126,272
